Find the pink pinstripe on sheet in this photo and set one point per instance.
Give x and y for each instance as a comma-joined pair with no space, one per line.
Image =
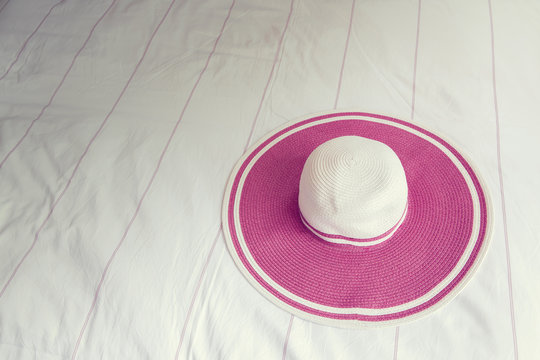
195,293
413,99
55,203
335,106
3,6
287,338
344,54
396,342
57,88
29,37
203,271
269,77
153,175
251,134
501,184
156,170
415,58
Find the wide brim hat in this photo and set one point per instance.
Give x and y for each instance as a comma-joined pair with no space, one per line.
426,258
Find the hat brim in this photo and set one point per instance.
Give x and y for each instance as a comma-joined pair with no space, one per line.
425,262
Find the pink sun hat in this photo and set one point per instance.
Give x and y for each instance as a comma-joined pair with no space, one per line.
352,219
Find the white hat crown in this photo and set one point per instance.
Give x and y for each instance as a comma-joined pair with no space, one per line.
353,190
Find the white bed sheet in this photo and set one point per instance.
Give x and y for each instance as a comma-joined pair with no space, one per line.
120,121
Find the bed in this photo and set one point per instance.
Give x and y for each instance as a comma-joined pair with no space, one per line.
120,123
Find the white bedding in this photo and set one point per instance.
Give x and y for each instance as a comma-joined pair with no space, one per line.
120,121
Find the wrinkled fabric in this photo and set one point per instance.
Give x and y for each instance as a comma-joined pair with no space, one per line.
121,120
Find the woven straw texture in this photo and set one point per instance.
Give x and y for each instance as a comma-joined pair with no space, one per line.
423,264
353,190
